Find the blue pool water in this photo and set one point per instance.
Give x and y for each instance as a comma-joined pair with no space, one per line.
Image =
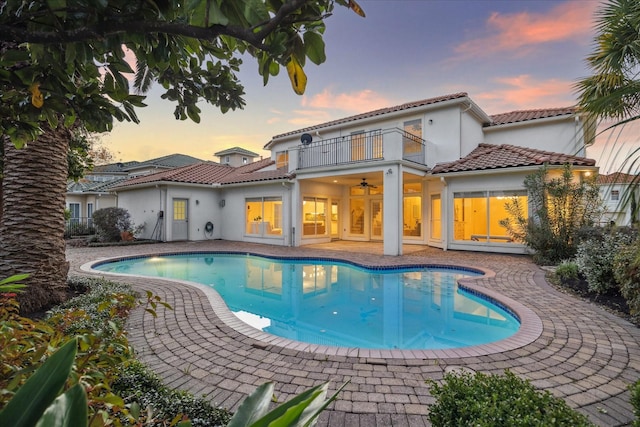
333,303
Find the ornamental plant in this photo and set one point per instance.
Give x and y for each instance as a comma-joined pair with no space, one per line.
559,208
481,400
595,257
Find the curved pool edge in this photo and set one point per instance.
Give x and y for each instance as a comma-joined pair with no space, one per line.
530,324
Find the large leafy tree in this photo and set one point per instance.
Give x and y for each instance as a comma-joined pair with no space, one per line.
64,62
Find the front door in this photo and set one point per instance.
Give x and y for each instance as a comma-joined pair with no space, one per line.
180,224
376,220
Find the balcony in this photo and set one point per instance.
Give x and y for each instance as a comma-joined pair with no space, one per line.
387,144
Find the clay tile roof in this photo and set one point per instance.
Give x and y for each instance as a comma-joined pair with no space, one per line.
379,112
198,173
252,173
488,156
526,115
618,178
209,173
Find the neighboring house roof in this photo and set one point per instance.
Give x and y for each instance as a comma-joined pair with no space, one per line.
526,115
236,150
169,161
86,186
618,178
375,113
209,173
113,167
488,156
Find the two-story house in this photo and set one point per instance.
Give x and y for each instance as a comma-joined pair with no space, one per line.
433,172
621,195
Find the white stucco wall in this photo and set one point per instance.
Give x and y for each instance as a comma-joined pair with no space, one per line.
233,216
560,136
144,204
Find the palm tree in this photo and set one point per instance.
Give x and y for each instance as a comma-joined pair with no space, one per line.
32,225
612,93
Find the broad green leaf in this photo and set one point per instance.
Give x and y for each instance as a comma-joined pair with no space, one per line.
314,47
13,279
204,13
318,405
68,410
40,390
284,415
58,7
253,407
10,57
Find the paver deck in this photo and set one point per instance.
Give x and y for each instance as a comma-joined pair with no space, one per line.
584,354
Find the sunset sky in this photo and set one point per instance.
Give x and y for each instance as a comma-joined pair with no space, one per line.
508,55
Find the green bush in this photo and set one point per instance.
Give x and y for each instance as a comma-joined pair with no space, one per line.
139,384
595,257
635,402
567,270
482,400
557,209
626,269
110,222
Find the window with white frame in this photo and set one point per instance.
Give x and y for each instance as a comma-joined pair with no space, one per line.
477,214
263,216
314,216
282,159
74,209
615,194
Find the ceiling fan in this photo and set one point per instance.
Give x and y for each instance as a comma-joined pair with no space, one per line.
365,184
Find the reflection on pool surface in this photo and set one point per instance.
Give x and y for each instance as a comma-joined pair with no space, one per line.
333,303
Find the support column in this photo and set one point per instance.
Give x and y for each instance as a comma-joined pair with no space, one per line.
392,218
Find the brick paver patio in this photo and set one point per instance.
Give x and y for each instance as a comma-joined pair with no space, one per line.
584,354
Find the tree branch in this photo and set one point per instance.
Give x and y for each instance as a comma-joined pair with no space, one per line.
108,28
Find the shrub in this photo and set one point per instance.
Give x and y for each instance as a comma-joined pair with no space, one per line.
567,270
626,269
560,208
635,401
110,222
595,257
493,400
139,384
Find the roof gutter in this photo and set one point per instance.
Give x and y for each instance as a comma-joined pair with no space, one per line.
501,171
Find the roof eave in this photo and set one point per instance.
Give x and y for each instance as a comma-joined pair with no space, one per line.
563,117
374,118
510,169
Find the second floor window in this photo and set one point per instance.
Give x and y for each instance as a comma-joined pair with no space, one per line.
615,195
412,141
282,159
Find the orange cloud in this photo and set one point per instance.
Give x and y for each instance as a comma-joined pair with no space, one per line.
524,92
355,102
572,20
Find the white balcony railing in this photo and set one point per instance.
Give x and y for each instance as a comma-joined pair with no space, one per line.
388,144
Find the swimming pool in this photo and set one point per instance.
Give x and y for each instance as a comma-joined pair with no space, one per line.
335,303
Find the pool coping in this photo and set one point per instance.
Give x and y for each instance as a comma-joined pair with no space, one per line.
531,326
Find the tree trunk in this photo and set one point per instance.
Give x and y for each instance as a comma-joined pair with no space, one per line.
32,224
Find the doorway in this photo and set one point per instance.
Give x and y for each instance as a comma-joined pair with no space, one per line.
180,223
